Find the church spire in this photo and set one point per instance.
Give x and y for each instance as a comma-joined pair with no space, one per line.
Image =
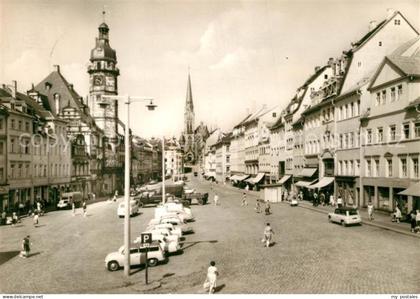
189,100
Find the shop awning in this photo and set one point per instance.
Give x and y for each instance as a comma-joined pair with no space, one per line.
413,190
284,179
304,183
325,181
233,177
242,177
307,172
256,179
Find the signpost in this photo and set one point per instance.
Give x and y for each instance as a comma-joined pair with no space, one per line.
146,240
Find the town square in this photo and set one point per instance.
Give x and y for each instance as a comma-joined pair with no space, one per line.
210,147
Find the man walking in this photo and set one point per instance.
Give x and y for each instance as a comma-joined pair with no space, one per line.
370,210
73,208
25,247
268,235
36,218
84,206
216,199
244,202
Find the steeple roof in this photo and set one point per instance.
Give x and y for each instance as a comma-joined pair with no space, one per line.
189,105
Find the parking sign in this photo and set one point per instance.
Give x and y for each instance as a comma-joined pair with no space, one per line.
146,238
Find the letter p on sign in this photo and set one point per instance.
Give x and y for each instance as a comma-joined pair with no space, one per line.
146,238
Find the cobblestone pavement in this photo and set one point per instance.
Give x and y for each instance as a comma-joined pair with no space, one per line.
310,255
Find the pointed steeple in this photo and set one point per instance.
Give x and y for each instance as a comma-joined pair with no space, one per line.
189,100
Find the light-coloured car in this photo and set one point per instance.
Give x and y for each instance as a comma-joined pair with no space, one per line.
345,216
170,246
172,209
134,208
294,202
175,221
174,229
164,232
115,260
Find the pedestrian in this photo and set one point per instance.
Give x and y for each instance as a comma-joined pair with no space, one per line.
246,187
300,196
315,201
26,248
417,221
84,206
15,218
244,202
267,208
332,201
38,206
413,222
258,206
339,201
216,199
36,218
3,218
396,216
93,197
73,208
268,235
322,198
370,210
211,279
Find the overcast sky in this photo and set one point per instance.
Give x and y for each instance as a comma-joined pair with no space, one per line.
242,54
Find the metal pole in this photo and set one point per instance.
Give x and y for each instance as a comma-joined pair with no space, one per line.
127,192
147,265
163,170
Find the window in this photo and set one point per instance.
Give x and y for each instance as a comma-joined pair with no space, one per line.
389,167
12,171
415,163
393,94
406,131
378,99
340,168
417,130
356,167
383,97
369,136
400,92
392,130
1,124
325,76
359,64
380,44
12,124
2,148
350,168
1,174
12,145
368,167
380,137
397,22
376,167
403,167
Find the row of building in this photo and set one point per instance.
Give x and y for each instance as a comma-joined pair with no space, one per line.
352,129
52,140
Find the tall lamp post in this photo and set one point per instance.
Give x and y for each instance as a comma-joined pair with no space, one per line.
127,238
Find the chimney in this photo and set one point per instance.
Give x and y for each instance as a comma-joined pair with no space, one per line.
372,25
317,68
14,89
71,87
389,12
57,68
330,61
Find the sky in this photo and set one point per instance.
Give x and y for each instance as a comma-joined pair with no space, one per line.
241,54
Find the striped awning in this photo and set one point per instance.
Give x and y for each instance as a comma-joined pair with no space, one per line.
413,190
325,181
304,183
284,179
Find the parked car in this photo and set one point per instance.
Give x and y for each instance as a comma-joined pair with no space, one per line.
345,216
66,199
169,209
115,260
169,246
173,229
164,232
174,221
294,202
195,173
200,198
134,208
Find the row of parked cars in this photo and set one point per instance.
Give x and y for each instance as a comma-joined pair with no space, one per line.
169,225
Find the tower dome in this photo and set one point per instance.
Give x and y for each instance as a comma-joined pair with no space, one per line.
103,50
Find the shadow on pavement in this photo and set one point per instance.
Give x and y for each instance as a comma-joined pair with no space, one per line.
39,225
219,288
196,242
168,275
33,254
7,255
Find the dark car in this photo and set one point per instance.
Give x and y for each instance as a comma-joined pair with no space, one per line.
195,173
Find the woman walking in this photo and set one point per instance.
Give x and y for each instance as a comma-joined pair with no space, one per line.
268,235
258,206
370,210
211,278
267,208
36,218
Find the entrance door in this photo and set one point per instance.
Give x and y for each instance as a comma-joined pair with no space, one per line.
369,195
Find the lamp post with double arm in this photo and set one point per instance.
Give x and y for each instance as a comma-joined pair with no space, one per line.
127,239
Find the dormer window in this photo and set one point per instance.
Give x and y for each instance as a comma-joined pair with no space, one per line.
397,22
380,44
48,85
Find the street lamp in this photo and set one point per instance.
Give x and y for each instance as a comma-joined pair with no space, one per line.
127,239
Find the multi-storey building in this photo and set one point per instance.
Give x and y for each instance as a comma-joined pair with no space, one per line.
237,150
278,148
4,188
355,101
222,158
174,158
390,129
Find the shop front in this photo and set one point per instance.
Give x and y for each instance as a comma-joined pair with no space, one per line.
4,197
348,189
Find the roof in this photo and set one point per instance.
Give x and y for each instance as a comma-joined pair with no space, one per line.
407,57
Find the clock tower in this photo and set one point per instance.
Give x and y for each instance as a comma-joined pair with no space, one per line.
103,75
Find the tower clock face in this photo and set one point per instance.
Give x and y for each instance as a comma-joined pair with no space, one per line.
110,82
98,80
